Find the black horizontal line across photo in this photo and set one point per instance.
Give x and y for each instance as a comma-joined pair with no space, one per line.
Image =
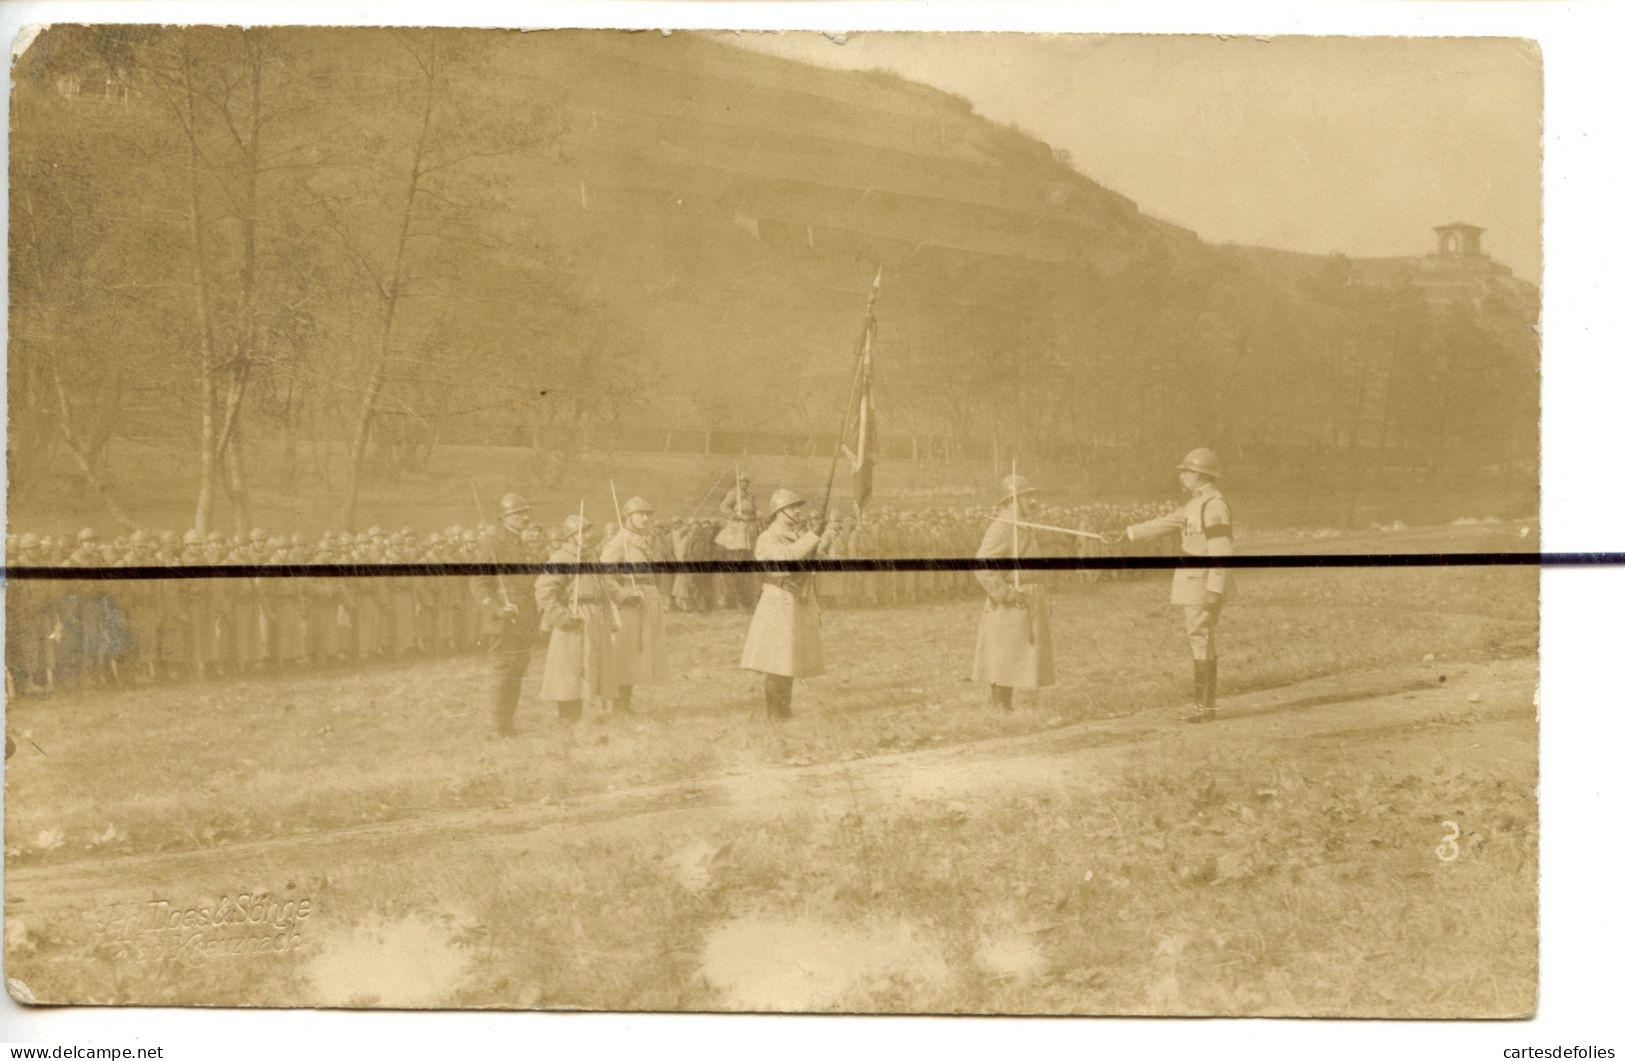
681,567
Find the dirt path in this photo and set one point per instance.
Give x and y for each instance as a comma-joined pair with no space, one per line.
1403,717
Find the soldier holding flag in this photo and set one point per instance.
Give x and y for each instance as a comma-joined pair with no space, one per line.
784,642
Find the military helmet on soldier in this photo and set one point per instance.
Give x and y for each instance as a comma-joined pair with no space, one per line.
782,499
1015,485
574,523
512,504
86,536
636,505
1202,461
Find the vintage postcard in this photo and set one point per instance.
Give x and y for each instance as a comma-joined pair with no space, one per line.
749,317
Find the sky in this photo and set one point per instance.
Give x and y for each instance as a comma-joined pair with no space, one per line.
1352,144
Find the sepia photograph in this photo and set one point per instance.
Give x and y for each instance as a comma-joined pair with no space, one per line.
730,522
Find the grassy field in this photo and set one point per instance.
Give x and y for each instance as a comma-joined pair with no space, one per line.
1078,855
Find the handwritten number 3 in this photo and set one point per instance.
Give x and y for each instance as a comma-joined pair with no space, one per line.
1448,850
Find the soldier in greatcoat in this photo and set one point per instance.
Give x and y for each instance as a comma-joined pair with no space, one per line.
784,642
197,614
1204,527
640,642
508,612
143,604
1014,649
736,541
579,612
31,623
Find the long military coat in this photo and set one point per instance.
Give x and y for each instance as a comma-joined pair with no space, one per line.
580,662
639,646
784,635
1013,643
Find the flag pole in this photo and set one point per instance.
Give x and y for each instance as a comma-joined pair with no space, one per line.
581,532
1015,528
864,339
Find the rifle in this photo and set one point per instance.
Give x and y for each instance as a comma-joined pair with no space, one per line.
1015,544
614,611
1015,528
707,495
575,588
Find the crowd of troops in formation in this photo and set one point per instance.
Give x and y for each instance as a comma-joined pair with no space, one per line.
601,635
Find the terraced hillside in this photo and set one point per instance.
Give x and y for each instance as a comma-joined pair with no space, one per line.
586,240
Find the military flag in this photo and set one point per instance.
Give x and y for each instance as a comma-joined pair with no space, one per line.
861,450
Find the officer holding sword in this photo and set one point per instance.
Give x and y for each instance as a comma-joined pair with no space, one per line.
1204,527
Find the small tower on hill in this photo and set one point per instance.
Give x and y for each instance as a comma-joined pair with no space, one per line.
1458,240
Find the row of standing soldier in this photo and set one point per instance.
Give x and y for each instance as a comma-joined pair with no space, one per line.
116,630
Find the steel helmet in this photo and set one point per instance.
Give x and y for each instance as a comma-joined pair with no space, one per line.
574,523
1201,460
1015,484
636,505
781,500
513,503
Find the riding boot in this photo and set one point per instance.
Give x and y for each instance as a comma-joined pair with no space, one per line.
570,710
1200,711
1211,699
1003,697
